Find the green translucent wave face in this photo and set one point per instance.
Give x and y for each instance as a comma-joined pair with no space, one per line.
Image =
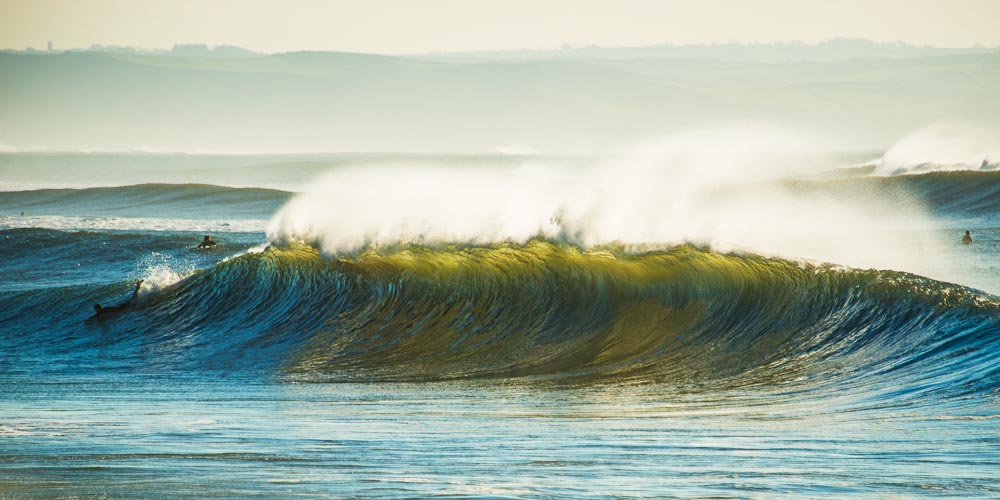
680,315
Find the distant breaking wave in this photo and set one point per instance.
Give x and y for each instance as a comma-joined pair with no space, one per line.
946,194
943,147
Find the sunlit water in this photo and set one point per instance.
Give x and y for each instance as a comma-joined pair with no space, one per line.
146,436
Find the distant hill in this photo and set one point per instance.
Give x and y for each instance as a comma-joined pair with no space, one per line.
840,49
587,99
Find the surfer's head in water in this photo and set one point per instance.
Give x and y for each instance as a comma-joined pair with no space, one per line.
100,310
207,242
967,239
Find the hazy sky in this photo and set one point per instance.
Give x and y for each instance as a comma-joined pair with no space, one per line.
406,26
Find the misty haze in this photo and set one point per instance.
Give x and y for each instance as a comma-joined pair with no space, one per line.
851,94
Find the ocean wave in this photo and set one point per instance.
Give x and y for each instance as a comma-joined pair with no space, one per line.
664,199
943,147
191,202
680,316
38,258
959,194
66,223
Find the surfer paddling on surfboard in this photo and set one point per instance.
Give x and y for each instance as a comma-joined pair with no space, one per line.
207,243
100,310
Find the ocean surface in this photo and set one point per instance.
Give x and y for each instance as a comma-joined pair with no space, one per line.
423,358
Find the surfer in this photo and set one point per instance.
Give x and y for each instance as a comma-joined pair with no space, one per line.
100,310
207,243
967,239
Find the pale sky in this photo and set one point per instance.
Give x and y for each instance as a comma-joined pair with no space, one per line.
400,26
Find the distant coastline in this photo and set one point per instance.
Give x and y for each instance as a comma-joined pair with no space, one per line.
829,50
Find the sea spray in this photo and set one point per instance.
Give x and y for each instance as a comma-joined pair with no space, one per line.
943,147
715,188
157,278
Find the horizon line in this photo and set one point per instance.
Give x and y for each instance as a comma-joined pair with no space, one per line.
566,47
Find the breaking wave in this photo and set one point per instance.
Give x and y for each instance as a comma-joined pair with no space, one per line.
683,316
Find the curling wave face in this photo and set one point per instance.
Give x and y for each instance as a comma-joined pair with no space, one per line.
683,316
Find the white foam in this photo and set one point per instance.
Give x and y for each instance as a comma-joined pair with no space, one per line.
942,147
256,249
156,278
709,187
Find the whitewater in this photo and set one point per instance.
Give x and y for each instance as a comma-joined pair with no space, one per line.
709,315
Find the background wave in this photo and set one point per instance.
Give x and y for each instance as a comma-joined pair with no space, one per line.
189,201
946,195
958,193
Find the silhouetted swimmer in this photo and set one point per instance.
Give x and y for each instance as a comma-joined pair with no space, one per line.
207,243
967,239
100,310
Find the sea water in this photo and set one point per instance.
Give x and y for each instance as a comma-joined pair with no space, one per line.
195,437
542,368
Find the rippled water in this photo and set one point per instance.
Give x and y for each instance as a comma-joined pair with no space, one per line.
194,437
